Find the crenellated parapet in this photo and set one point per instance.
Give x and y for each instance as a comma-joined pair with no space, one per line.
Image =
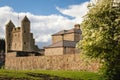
18,29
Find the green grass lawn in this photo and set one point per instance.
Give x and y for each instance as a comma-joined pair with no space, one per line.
75,75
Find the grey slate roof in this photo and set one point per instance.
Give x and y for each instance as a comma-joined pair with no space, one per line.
63,43
68,31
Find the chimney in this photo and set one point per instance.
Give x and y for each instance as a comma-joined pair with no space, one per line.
77,26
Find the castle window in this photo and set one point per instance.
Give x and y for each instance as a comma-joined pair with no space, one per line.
25,43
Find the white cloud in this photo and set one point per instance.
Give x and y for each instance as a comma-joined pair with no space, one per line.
76,11
94,1
43,26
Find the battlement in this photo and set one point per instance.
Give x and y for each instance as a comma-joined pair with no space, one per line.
17,29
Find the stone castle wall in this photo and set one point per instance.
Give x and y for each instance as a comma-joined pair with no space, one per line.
54,51
56,38
69,50
69,37
16,41
59,62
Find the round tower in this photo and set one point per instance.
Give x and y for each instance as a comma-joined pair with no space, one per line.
8,35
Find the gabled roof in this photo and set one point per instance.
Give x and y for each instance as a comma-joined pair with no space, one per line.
68,31
63,43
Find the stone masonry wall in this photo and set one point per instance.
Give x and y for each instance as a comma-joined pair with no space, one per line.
16,43
69,37
56,38
69,50
61,62
54,51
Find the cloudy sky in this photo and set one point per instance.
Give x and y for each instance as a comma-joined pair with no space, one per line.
47,16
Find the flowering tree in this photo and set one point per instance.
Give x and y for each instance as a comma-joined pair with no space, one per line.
101,37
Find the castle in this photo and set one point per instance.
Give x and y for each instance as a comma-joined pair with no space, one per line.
20,38
60,55
64,42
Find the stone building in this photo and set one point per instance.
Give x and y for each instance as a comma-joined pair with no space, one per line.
64,42
20,38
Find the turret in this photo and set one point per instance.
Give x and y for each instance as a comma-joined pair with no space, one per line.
25,24
25,27
25,19
8,35
10,25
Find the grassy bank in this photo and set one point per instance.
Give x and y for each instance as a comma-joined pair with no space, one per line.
44,74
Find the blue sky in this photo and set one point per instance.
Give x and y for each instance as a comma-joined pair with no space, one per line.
39,7
47,16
